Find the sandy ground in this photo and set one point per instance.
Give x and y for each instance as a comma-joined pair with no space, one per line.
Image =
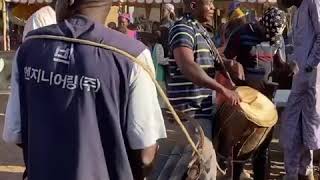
11,163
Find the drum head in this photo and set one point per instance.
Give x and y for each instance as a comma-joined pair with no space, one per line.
257,107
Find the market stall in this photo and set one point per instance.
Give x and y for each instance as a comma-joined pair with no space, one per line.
14,15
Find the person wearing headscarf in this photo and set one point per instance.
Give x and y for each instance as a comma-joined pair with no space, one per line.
256,47
232,6
168,15
167,21
123,23
274,23
236,19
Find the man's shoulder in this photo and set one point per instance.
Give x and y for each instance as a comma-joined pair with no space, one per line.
99,34
52,29
248,29
185,20
184,24
120,41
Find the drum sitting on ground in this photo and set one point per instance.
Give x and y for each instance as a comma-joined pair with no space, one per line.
240,130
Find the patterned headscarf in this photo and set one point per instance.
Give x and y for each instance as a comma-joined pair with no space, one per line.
274,22
125,16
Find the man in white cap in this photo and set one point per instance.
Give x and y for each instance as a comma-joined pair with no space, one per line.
168,15
167,21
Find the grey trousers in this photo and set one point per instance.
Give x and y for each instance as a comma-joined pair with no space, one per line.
209,154
298,159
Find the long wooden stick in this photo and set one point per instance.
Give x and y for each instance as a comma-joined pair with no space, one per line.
4,21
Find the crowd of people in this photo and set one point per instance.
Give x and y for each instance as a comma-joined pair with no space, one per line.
80,110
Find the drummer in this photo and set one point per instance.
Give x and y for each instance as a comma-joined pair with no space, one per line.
191,73
256,47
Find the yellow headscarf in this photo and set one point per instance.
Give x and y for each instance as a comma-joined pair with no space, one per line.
236,14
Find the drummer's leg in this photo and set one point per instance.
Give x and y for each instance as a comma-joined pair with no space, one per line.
209,154
261,160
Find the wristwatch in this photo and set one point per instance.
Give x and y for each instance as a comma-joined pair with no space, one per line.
308,69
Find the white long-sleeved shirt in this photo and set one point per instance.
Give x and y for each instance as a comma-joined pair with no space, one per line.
43,17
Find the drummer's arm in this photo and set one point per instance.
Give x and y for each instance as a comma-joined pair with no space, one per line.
185,60
145,124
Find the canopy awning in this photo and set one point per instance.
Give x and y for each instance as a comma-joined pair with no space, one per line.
29,1
259,1
148,1
115,1
138,1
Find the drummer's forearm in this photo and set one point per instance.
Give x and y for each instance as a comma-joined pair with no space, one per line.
198,76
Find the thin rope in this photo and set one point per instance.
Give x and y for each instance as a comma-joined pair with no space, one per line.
135,60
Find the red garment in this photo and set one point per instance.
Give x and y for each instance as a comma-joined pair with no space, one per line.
132,34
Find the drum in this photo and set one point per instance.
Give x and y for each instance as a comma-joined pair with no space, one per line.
240,130
176,160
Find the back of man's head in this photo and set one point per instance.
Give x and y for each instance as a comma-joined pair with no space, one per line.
191,5
79,3
53,4
90,8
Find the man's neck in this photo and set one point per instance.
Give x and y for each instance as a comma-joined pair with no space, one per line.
195,17
97,17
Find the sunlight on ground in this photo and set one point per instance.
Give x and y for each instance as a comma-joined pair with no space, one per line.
12,169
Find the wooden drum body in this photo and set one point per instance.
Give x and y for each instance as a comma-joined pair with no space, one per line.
240,130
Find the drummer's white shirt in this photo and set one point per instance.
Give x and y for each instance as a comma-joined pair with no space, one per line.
145,120
43,17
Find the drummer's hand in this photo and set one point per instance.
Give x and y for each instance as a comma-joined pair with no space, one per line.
231,96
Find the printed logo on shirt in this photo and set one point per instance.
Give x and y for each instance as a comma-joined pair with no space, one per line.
70,82
62,55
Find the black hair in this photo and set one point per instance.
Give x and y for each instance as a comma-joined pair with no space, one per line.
78,3
112,25
234,24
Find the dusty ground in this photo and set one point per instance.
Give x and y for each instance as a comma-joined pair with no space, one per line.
11,164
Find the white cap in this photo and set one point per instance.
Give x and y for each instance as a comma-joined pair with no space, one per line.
169,7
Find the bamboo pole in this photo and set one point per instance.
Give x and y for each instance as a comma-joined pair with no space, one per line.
4,19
